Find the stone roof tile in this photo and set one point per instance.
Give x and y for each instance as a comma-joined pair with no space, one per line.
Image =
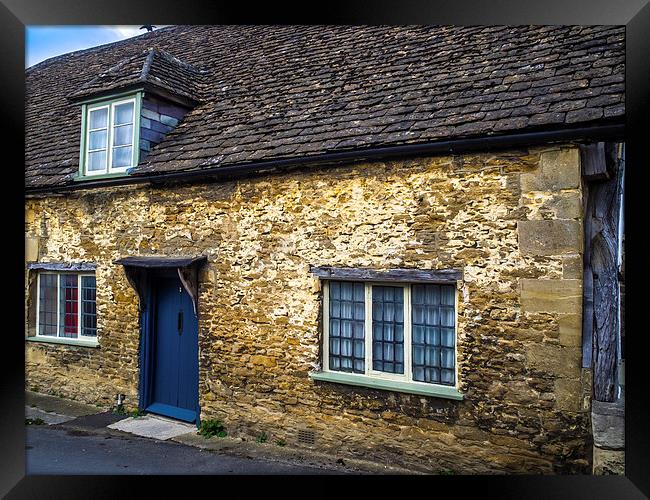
271,92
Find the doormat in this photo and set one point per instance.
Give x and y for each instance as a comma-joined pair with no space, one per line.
153,426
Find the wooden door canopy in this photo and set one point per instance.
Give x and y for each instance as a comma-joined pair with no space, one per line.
136,269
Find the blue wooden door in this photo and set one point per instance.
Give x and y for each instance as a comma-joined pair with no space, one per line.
175,370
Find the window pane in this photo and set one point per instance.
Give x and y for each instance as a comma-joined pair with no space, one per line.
47,305
399,333
447,358
388,327
122,157
359,348
335,347
99,118
97,161
418,334
98,140
123,136
447,377
358,330
433,339
346,309
88,307
346,327
347,291
359,292
359,310
447,337
447,294
335,308
447,316
123,113
69,306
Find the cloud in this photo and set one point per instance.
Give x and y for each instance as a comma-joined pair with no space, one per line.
127,31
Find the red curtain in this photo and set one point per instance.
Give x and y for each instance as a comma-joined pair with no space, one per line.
71,307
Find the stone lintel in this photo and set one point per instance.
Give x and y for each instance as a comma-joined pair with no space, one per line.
410,275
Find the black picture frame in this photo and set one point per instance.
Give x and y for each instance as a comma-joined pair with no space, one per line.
635,14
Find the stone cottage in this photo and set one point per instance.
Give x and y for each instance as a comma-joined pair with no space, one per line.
396,243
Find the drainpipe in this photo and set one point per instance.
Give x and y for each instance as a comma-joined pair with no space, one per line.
620,369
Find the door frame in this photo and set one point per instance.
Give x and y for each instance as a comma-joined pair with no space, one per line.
147,342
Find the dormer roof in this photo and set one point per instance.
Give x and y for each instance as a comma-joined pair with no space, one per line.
154,70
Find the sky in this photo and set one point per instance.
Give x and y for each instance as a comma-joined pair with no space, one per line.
43,42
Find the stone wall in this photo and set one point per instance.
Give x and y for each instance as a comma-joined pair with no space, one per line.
512,221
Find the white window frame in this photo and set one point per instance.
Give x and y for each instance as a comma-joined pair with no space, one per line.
407,376
79,339
109,137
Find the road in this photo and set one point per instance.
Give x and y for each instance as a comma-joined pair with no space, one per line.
60,450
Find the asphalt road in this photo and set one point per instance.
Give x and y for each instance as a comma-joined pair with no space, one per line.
57,450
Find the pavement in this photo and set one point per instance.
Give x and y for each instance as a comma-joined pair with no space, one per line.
54,410
76,438
55,451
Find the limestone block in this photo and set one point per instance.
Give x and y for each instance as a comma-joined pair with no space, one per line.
608,462
549,237
559,296
30,216
557,360
570,330
567,205
557,170
608,424
568,394
31,248
263,360
572,267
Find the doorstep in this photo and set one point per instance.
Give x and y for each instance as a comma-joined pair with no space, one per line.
153,426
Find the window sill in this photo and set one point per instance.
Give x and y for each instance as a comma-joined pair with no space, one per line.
112,175
55,340
389,385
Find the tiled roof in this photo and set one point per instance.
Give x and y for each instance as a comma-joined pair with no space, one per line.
274,92
154,67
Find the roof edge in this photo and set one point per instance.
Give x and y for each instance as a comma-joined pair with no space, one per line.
96,48
608,131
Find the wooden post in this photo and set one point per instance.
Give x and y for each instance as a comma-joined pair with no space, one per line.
601,268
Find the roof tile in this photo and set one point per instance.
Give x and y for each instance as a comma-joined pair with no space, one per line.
295,91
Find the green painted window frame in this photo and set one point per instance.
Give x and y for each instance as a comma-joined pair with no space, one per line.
388,385
86,107
385,381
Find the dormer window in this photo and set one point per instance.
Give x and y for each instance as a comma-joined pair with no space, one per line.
110,136
129,109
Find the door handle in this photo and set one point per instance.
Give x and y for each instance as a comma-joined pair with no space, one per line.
180,322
